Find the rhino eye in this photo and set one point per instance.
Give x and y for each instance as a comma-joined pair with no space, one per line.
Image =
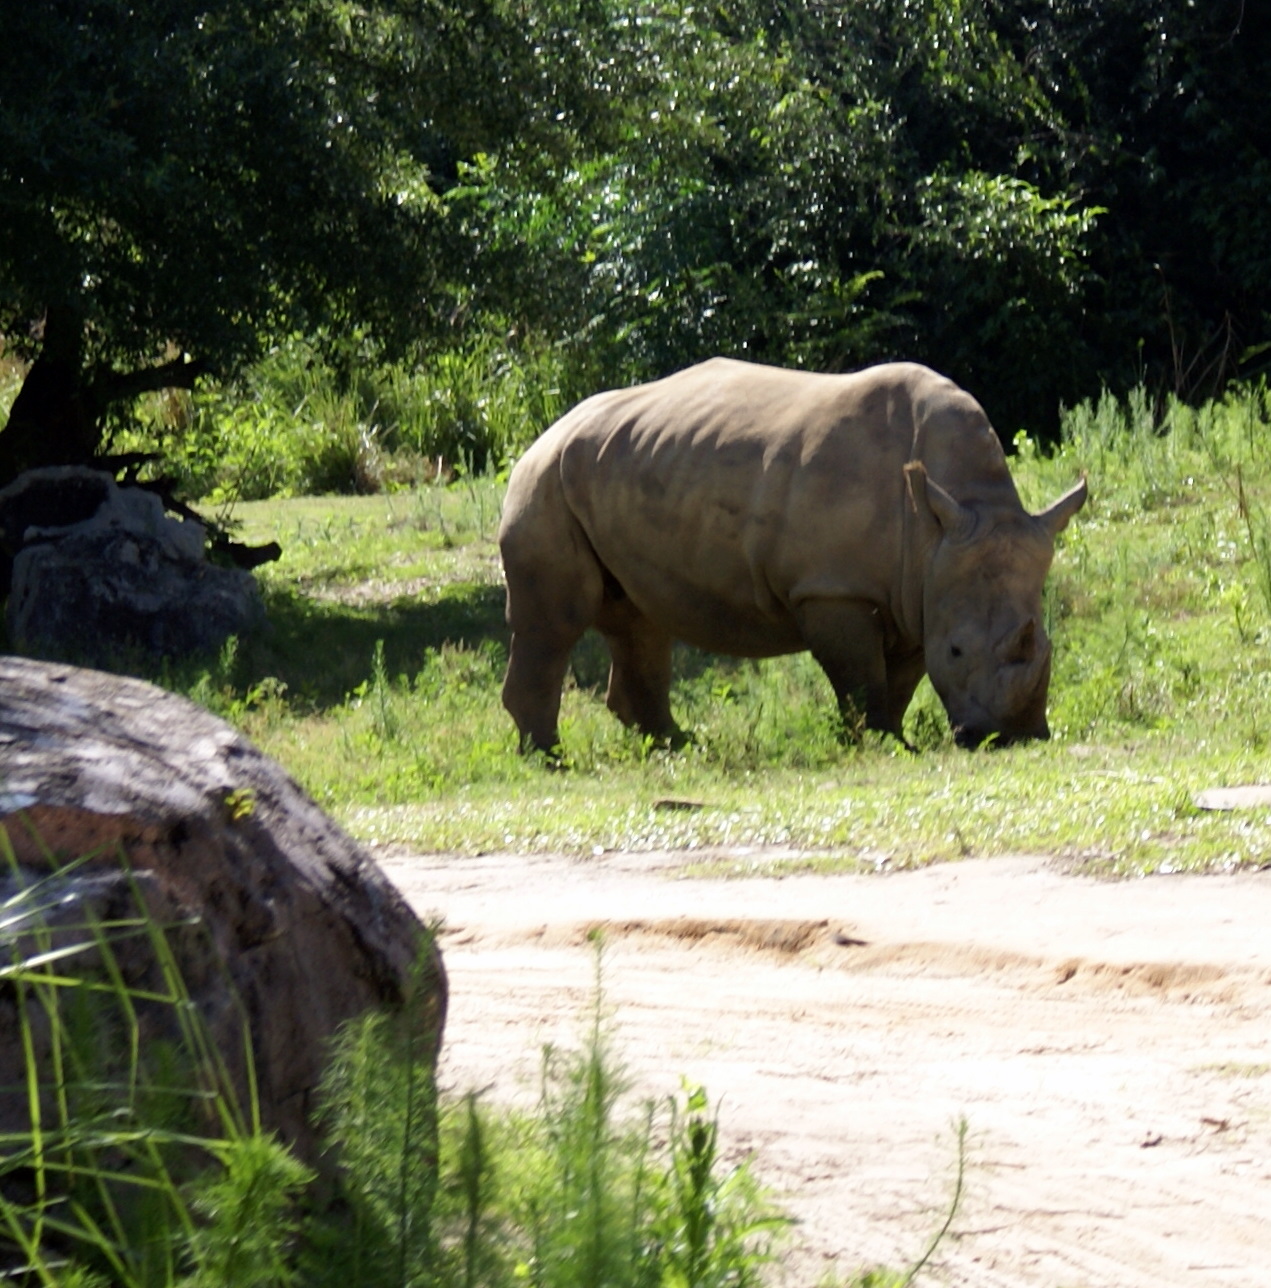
954,651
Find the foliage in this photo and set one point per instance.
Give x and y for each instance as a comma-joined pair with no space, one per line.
1166,125
12,372
288,426
159,157
185,184
1032,198
775,193
1036,198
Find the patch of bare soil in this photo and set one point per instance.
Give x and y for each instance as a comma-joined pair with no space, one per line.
1109,1044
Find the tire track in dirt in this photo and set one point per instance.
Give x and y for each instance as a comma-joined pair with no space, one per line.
1110,1046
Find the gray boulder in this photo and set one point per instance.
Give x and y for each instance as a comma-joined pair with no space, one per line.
99,570
117,797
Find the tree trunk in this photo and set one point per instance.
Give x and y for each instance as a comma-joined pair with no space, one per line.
59,415
56,418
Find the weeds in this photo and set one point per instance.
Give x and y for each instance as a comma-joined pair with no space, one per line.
137,1164
589,1192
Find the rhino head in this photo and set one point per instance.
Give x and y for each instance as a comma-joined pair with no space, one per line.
985,646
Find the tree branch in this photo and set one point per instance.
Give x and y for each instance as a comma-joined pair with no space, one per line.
115,386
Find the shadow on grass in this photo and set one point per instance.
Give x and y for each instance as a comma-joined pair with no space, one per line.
589,663
323,650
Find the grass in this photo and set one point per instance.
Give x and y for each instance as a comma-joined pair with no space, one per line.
378,685
128,1157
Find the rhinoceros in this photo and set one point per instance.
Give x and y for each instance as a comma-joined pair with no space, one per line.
754,511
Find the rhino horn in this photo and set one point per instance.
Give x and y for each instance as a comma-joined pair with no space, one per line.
925,494
1055,517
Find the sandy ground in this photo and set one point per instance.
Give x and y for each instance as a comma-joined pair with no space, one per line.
1109,1045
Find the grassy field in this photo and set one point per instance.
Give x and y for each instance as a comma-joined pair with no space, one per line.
377,686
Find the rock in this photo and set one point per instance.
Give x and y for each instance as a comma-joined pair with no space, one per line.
99,571
277,919
1250,796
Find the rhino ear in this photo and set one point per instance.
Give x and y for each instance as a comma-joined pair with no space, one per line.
1055,517
925,494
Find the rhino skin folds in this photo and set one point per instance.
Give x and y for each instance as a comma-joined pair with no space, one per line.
753,511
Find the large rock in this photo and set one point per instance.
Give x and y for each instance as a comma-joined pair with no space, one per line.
276,918
99,570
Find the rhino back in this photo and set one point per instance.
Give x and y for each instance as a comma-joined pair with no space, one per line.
721,497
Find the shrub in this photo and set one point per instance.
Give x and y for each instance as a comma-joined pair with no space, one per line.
292,425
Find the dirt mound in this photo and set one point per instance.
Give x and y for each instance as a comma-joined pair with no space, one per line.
1109,1045
784,935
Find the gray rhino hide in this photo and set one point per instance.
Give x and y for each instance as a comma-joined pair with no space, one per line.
753,511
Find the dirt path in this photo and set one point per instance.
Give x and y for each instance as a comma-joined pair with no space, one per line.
1110,1046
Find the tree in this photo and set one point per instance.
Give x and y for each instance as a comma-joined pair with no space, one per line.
1168,126
181,183
821,185
1038,197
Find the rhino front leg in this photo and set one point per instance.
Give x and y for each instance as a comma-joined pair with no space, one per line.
640,671
846,638
903,675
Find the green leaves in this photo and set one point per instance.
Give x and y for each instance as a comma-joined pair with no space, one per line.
211,176
636,188
815,187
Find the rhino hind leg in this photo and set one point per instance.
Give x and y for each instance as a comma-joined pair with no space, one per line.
554,593
639,691
537,662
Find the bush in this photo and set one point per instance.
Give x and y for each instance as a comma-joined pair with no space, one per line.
293,425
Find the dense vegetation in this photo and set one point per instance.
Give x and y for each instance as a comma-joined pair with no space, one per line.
1035,198
1038,197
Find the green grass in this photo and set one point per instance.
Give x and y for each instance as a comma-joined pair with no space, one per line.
128,1156
1159,604
378,685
